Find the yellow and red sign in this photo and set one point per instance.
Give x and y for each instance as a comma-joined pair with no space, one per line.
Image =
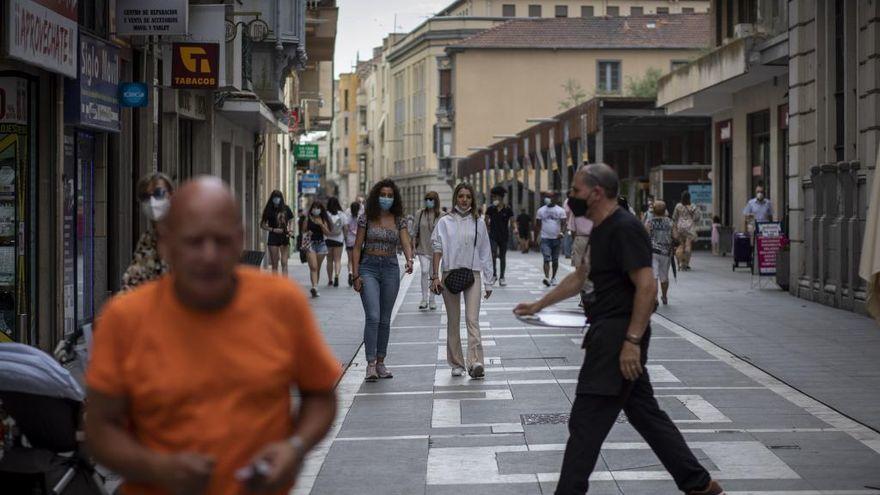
195,65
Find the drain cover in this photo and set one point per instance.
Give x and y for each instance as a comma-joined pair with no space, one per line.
544,419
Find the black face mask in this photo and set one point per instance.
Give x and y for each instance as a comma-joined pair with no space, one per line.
577,206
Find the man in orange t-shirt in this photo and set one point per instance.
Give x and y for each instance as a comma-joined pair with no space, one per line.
190,377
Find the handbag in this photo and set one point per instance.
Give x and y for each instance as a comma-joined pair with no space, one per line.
461,279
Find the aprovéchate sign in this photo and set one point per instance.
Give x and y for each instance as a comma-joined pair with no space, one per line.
195,65
136,17
42,33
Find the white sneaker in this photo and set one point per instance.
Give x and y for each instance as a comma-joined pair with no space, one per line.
553,281
432,306
423,305
502,283
458,371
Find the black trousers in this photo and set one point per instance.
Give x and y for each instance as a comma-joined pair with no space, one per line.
592,417
499,252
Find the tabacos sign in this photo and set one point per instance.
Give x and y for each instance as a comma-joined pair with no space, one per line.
195,65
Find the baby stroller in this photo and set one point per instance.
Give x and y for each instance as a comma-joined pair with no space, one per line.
40,410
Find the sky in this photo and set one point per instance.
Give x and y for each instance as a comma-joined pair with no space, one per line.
364,23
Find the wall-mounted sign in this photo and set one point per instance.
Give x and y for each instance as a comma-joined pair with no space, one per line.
43,33
195,65
133,94
153,17
306,151
92,99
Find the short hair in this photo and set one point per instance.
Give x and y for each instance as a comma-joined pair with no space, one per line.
600,175
659,208
148,180
498,191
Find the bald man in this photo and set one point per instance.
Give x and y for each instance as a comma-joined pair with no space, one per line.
191,375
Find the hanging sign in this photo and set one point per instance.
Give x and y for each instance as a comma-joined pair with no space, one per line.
163,17
306,151
43,33
195,65
133,94
92,99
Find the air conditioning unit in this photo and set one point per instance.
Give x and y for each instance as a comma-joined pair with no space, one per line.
743,30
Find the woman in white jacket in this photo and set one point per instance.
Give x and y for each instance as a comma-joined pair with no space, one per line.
461,240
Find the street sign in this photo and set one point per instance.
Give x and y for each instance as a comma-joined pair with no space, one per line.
306,151
195,65
311,177
92,99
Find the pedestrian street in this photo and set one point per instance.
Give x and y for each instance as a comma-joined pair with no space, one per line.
425,431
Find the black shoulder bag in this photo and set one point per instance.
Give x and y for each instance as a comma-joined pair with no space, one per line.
461,279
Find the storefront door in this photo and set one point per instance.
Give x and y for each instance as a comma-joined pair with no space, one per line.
16,154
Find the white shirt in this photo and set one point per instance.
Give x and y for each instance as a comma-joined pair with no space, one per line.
551,218
341,218
454,238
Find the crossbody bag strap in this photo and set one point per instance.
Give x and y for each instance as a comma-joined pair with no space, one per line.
419,227
474,258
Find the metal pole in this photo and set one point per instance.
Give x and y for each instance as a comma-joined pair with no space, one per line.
495,173
551,156
486,177
566,152
539,169
527,162
504,181
516,189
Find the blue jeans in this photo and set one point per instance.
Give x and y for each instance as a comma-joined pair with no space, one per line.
380,276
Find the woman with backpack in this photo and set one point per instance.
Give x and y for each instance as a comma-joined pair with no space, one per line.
684,221
335,241
424,227
461,240
351,227
381,232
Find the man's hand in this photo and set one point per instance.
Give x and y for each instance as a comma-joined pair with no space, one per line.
409,266
184,474
283,461
630,361
526,309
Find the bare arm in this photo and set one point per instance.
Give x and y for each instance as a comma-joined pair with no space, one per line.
643,304
569,287
356,255
315,417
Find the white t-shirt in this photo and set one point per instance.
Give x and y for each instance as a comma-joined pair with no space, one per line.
551,218
337,221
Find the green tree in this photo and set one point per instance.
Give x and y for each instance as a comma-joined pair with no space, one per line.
574,94
645,86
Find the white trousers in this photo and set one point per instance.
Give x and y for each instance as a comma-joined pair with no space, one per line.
425,262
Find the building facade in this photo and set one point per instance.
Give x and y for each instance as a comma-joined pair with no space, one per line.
791,88
572,8
72,149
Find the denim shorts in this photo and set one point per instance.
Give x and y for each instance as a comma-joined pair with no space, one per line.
550,249
319,247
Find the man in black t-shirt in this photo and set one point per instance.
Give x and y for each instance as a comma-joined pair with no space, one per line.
498,217
613,376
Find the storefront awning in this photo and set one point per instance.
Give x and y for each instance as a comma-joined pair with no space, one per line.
253,115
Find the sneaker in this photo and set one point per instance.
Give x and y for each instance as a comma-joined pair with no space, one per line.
315,292
553,281
383,372
546,282
502,282
423,305
432,306
458,371
712,489
372,375
477,372
335,281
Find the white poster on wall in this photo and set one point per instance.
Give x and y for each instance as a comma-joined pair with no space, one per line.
156,17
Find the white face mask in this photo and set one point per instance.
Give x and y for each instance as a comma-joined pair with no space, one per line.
316,212
760,196
547,201
155,209
461,210
496,203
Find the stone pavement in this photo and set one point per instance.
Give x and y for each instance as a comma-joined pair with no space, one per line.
424,432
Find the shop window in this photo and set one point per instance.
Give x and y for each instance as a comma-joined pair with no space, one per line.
608,76
508,10
534,11
561,11
345,101
587,11
612,11
687,10
662,10
748,11
637,11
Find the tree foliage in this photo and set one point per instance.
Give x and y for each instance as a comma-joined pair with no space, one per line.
574,94
645,86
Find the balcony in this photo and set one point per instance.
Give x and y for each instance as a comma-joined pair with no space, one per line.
707,85
445,108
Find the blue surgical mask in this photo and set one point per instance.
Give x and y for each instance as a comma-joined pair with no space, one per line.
547,201
429,203
276,200
386,203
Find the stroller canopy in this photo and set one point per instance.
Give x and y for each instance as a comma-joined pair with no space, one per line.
29,370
